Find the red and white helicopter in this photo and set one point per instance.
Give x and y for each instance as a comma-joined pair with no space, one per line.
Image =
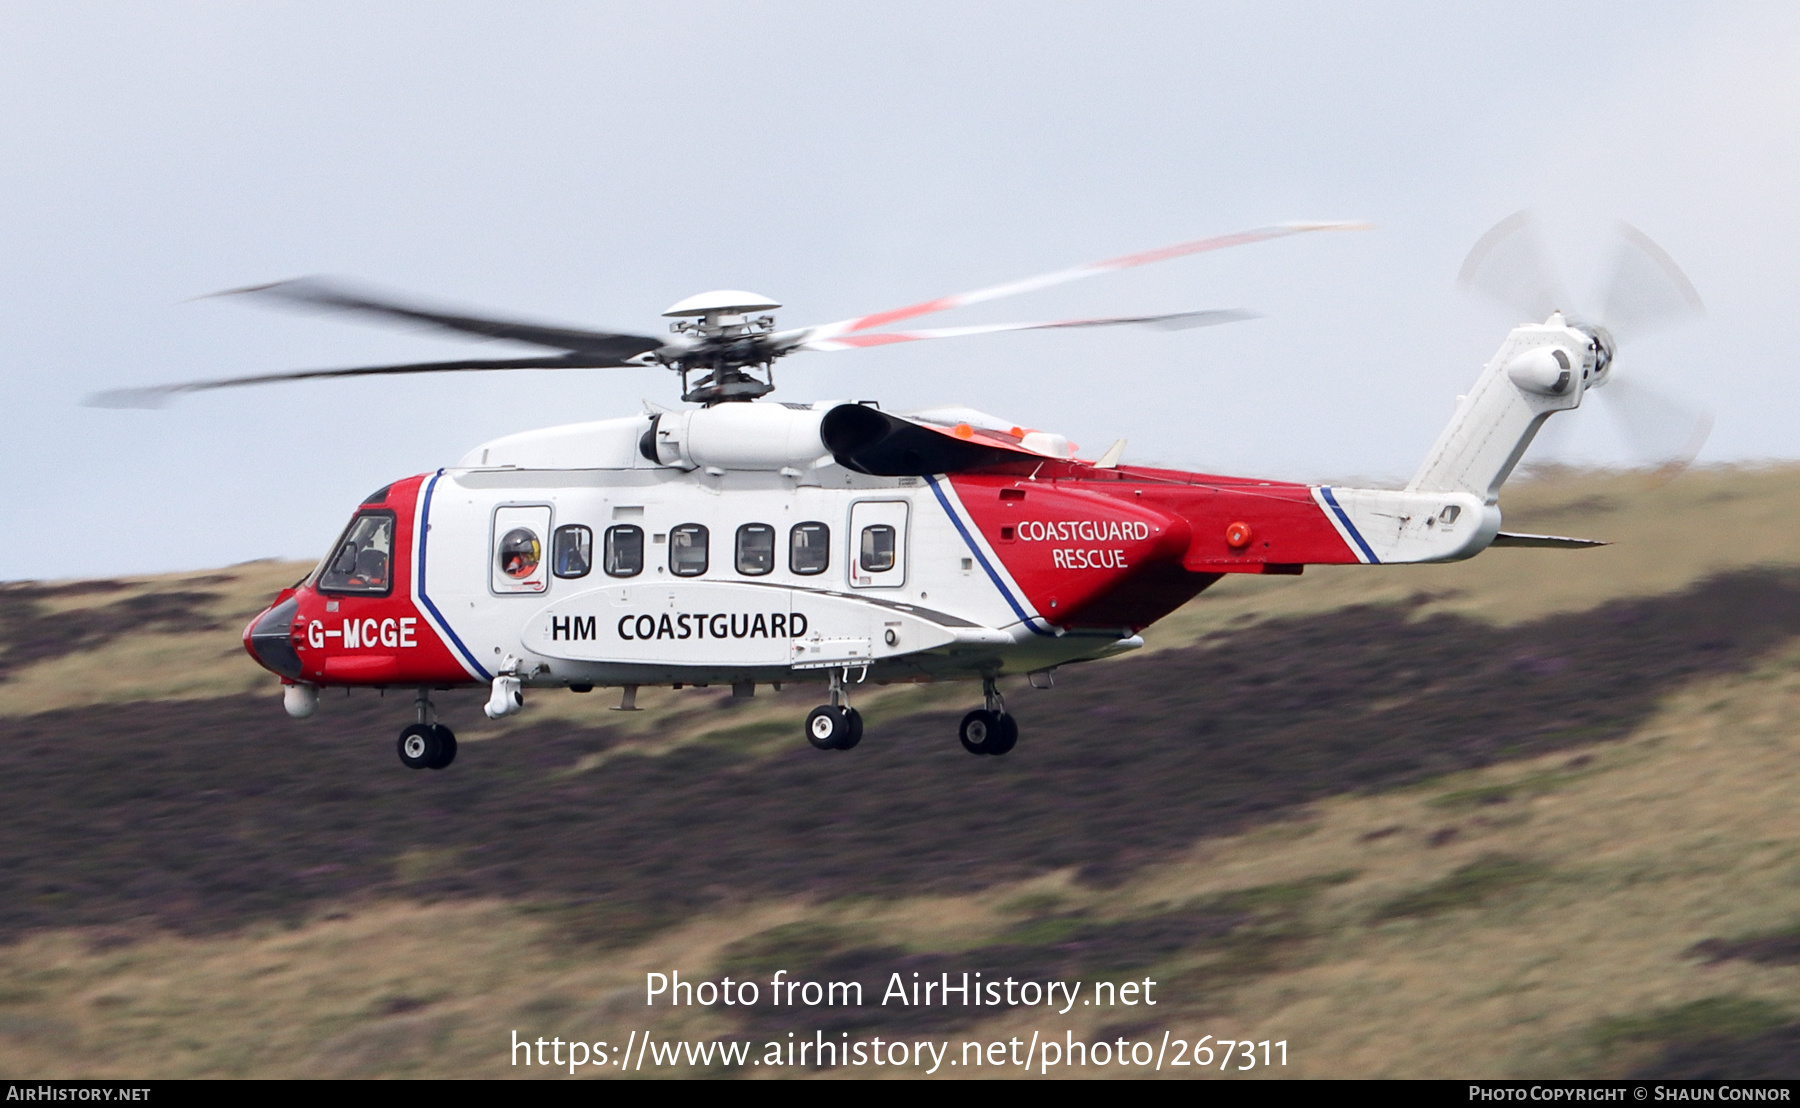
743,541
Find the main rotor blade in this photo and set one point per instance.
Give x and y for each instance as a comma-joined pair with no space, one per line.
1509,265
1061,276
1648,290
317,293
156,396
1178,321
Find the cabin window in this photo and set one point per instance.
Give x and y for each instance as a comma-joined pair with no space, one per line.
519,553
361,562
687,550
572,551
877,549
520,560
624,551
809,548
755,549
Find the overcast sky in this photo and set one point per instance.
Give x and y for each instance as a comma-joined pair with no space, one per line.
594,163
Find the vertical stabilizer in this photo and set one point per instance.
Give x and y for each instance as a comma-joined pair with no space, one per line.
1541,369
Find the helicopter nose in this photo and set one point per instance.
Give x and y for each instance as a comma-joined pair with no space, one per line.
269,639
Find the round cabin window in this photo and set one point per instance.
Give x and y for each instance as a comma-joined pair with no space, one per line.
520,552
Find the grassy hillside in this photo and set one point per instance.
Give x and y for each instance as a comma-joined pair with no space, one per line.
1527,815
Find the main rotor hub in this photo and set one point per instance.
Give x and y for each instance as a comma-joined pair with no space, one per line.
728,344
722,313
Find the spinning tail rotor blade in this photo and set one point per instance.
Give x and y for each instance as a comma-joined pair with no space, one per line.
1666,434
159,395
1662,434
1648,291
1509,265
318,293
1061,276
1177,321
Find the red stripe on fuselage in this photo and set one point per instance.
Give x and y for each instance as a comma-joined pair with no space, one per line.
1124,547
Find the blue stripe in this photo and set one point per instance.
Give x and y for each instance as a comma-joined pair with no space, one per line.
980,557
1348,526
424,529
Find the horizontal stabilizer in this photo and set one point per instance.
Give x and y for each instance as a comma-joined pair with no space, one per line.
1554,542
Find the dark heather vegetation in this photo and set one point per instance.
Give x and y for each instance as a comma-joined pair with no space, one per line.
203,815
1774,1053
1773,948
1716,1037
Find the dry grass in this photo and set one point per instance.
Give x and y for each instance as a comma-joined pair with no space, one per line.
195,665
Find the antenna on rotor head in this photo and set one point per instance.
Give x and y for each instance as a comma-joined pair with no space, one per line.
727,345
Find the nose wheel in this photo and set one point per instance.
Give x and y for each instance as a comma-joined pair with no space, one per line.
427,744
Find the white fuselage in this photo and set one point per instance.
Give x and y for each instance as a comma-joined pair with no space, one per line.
923,598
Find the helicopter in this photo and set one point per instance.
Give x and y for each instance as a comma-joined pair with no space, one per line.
739,541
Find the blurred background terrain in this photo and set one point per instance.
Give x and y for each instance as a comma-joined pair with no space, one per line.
1526,815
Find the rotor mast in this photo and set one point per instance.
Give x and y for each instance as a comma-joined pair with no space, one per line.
730,346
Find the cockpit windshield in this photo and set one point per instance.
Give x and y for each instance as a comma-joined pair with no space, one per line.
362,560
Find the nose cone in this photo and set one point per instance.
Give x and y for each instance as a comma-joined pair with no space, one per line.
269,639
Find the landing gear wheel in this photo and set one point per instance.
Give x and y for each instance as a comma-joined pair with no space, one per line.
1007,737
829,728
985,731
856,727
446,746
420,747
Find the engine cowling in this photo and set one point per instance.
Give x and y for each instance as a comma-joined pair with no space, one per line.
766,437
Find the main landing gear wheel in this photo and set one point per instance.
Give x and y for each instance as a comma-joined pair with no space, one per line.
830,728
427,746
985,731
446,751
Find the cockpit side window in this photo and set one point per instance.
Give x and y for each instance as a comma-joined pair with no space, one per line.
362,561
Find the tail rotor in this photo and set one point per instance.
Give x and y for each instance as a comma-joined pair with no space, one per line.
1645,292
